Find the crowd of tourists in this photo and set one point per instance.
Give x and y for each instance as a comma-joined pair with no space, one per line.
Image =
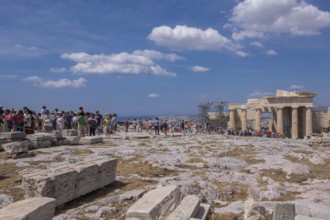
28,121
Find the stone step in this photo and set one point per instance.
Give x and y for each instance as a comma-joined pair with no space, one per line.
34,208
91,140
187,208
302,217
284,211
203,212
155,204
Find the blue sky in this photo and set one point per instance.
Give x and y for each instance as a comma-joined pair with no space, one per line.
160,57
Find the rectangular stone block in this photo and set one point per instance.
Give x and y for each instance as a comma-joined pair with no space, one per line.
91,140
3,141
17,135
203,212
41,137
69,133
155,204
35,208
187,208
313,210
284,211
72,140
302,217
67,183
17,147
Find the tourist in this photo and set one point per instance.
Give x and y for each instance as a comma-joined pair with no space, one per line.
156,126
126,125
39,122
81,122
68,120
59,121
47,119
114,123
140,123
9,120
43,109
92,122
165,127
28,121
99,118
107,125
135,125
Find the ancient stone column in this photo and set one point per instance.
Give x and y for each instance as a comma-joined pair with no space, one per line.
294,123
257,126
309,120
232,123
244,119
279,114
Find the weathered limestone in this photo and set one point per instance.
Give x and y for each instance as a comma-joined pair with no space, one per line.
187,208
154,204
294,123
244,119
42,140
284,211
3,140
72,140
315,211
17,147
309,121
258,120
232,119
279,114
203,212
91,140
67,183
34,208
14,136
69,133
141,136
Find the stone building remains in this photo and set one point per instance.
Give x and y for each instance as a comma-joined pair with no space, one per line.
293,114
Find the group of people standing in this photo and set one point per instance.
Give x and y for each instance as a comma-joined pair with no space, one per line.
87,123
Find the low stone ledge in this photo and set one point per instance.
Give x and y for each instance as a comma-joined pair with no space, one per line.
313,210
34,208
14,136
91,140
155,204
42,140
302,217
17,147
3,140
69,133
141,136
203,212
187,208
72,140
67,183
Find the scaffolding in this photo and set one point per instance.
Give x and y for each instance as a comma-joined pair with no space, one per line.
219,119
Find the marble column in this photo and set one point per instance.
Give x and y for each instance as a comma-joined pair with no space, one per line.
244,119
294,123
257,126
309,120
232,120
279,123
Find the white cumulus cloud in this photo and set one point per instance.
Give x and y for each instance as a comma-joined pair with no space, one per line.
256,44
255,18
61,83
137,62
199,69
57,70
189,38
297,87
153,95
271,53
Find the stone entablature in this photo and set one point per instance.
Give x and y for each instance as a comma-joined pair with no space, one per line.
292,113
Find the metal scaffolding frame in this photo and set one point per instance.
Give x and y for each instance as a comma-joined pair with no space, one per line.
218,108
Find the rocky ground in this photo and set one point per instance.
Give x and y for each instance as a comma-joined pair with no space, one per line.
222,170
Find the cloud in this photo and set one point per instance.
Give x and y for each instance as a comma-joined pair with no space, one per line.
242,53
257,94
188,38
22,47
138,62
256,44
298,87
57,70
61,83
256,18
153,95
271,53
199,69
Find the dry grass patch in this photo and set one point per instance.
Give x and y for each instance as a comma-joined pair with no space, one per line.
10,179
248,155
136,165
82,152
231,192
